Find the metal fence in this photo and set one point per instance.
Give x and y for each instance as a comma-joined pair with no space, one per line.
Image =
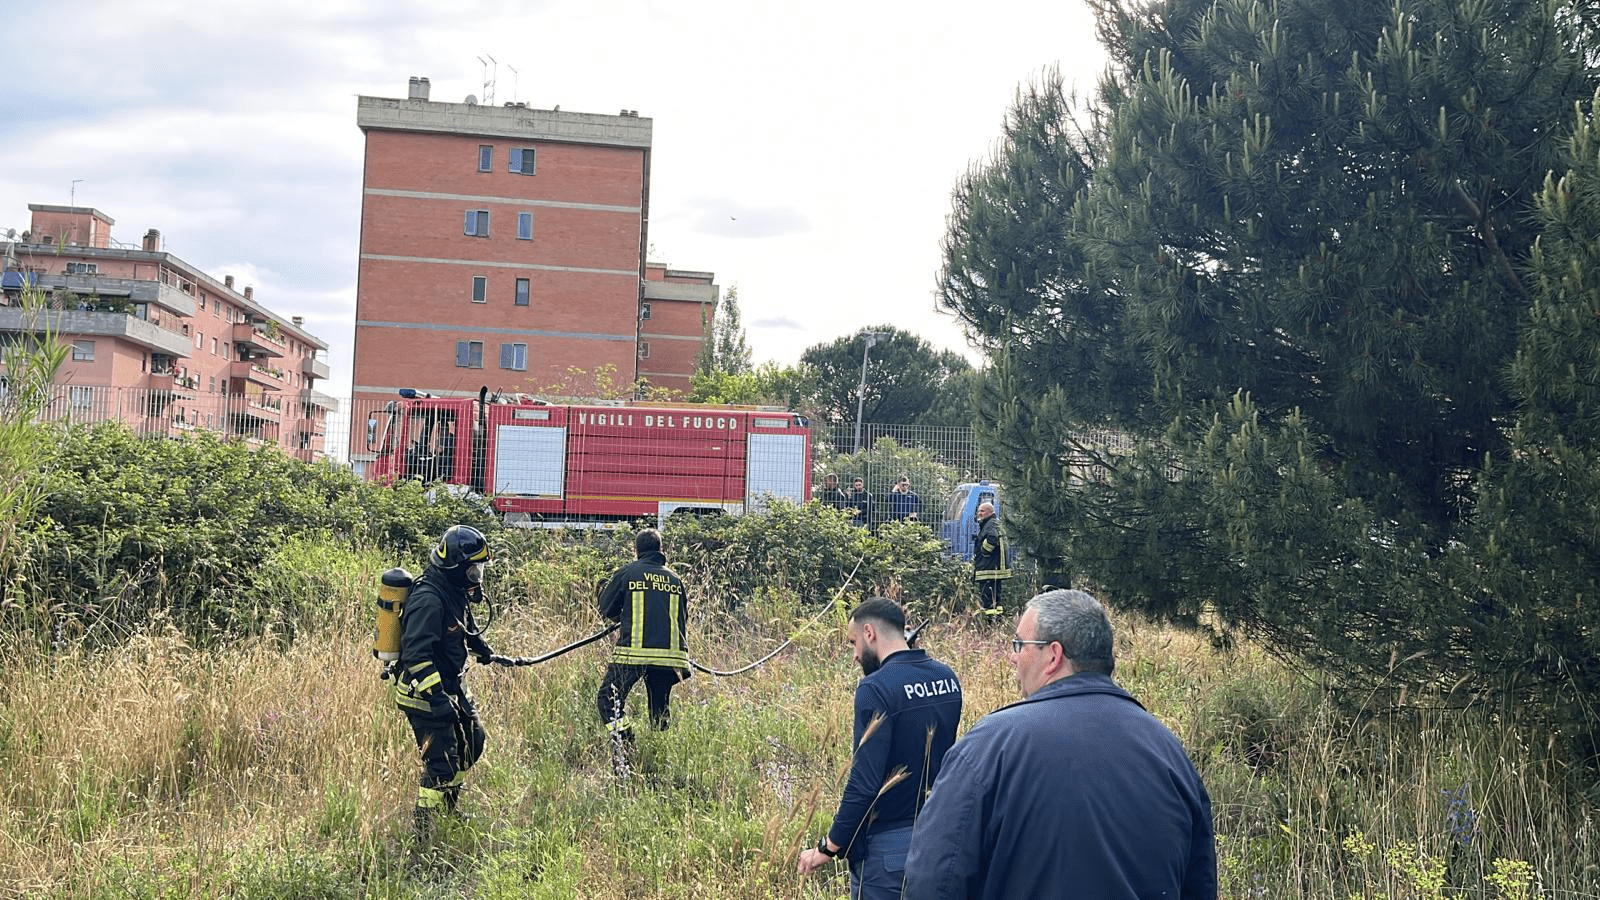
296,422
310,425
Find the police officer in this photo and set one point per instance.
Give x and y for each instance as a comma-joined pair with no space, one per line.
907,707
649,600
990,567
437,632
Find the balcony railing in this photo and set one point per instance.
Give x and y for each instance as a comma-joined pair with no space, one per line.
90,323
267,377
316,368
258,340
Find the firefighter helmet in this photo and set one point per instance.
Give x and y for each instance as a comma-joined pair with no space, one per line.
461,545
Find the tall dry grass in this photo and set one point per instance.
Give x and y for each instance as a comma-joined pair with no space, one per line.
279,769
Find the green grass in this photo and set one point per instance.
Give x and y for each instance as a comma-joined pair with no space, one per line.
277,768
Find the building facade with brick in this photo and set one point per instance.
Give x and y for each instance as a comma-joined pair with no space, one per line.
159,344
504,247
679,308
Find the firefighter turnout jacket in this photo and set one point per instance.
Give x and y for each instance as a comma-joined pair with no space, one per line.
989,552
649,600
436,633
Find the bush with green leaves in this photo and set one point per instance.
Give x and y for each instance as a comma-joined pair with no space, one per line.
812,550
132,528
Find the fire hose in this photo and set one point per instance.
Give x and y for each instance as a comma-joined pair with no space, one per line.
911,637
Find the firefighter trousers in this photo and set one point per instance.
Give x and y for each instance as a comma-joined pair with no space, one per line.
450,739
620,679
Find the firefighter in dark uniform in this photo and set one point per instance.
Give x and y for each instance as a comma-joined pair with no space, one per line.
648,599
990,566
437,632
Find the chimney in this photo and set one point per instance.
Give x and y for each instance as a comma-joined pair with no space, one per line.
152,241
419,88
299,321
227,282
248,291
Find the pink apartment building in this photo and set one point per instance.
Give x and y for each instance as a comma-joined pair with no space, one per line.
504,247
159,344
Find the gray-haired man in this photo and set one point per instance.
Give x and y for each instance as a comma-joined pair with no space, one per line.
1075,789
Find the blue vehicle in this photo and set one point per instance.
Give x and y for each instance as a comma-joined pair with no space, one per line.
961,516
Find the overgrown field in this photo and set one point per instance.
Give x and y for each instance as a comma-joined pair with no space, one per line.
276,768
191,709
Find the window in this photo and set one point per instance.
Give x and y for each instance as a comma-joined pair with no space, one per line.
485,157
477,223
202,301
525,226
521,161
480,289
199,340
213,346
469,354
80,397
514,356
81,268
644,349
213,387
522,292
83,351
644,310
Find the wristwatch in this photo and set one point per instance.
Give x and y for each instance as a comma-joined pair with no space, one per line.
822,847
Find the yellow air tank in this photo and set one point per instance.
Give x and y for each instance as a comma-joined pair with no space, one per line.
396,584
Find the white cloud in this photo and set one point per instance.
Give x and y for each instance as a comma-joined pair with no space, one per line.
805,153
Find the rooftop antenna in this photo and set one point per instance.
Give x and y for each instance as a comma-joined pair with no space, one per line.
489,75
72,193
514,80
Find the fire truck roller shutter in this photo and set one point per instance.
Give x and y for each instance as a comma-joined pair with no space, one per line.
530,462
776,467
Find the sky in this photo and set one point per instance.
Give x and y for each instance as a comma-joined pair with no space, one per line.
805,153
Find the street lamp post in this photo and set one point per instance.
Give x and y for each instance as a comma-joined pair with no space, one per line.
861,392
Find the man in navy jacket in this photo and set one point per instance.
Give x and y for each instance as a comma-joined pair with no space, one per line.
907,710
1074,791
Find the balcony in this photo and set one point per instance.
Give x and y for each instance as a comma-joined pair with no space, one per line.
260,342
316,368
251,372
89,323
317,399
174,385
135,290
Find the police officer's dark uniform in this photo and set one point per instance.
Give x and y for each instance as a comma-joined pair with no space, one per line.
437,632
906,715
648,599
990,567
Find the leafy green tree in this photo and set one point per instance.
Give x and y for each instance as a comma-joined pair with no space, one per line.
724,348
768,384
908,382
1284,253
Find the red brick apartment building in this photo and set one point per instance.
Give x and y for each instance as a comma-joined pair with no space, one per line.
504,247
159,344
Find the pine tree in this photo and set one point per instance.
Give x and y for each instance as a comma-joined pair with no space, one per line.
1292,270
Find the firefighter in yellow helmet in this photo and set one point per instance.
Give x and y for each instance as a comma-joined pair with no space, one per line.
437,632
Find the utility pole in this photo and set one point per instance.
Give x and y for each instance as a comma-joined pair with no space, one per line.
861,392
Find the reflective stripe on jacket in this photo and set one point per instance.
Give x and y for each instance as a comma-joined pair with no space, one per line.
990,556
649,600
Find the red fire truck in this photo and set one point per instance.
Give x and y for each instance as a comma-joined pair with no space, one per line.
549,464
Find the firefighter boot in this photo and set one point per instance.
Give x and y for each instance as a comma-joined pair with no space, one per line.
430,802
452,791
